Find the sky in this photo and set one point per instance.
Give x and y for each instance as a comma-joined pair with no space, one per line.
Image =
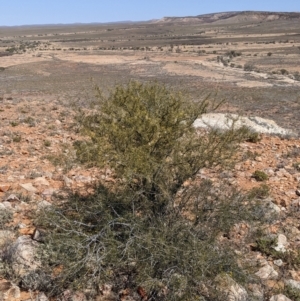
29,12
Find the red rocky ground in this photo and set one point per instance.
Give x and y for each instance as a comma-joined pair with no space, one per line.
37,161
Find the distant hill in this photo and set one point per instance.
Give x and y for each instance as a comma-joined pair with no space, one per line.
233,17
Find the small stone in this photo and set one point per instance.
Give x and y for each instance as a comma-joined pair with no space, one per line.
48,192
26,231
43,204
48,175
235,292
22,254
4,286
41,297
281,243
267,272
12,197
67,181
41,181
280,297
111,180
4,187
278,262
275,209
9,291
38,235
82,179
298,192
7,205
10,179
293,283
257,291
29,187
74,296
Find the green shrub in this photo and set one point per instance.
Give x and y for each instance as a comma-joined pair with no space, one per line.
260,192
249,67
149,230
233,53
292,293
266,245
99,239
260,176
30,121
5,217
14,123
145,133
297,76
296,165
253,137
16,138
284,72
47,143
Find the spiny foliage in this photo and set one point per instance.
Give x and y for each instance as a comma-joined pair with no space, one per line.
98,241
145,133
149,231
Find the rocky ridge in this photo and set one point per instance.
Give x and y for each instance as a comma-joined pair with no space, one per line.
233,17
37,162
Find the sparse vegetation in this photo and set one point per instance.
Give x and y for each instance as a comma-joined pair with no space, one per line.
284,72
5,217
296,165
16,138
249,67
292,293
30,121
14,123
47,143
233,53
253,137
136,234
260,192
153,228
260,176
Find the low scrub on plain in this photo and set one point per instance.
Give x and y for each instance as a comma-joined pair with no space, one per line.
148,234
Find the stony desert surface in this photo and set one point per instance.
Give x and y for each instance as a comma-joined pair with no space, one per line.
46,72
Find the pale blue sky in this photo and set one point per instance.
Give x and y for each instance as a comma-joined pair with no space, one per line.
20,12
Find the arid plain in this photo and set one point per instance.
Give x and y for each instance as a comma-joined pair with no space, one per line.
250,61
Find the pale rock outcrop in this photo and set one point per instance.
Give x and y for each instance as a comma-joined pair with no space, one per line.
227,121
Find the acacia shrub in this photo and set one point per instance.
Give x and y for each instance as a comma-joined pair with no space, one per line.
145,133
148,231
